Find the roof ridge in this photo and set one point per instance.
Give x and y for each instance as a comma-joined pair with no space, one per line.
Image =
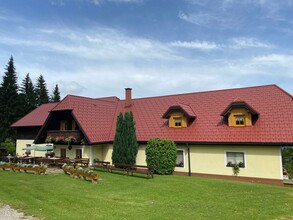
282,90
200,92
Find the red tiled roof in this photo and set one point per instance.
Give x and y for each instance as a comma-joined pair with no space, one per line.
94,116
97,117
36,117
185,109
274,124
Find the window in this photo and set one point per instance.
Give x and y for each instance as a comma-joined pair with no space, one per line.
239,120
73,126
78,153
63,153
180,158
178,122
235,158
63,125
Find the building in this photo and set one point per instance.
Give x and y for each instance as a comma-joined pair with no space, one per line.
211,129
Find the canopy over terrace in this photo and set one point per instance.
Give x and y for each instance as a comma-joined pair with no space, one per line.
45,147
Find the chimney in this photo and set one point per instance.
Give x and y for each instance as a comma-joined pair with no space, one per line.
128,100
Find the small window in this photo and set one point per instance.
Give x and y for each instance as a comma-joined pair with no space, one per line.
235,158
178,122
239,120
63,125
63,153
180,158
73,125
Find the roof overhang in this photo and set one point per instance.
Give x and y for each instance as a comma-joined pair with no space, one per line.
184,109
239,104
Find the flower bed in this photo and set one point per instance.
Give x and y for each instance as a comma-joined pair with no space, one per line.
81,173
38,169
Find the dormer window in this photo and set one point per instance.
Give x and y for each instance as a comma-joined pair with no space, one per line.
179,116
240,114
239,120
178,122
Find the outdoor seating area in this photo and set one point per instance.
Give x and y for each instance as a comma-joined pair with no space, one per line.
50,161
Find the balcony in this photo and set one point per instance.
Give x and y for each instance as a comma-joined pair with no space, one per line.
63,137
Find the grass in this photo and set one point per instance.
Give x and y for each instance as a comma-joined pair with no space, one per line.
124,197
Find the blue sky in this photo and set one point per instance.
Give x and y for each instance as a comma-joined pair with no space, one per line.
96,48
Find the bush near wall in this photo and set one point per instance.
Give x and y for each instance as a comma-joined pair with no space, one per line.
162,155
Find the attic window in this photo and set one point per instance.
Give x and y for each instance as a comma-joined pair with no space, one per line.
239,120
178,122
179,116
240,114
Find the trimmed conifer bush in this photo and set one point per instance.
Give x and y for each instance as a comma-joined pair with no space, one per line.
162,155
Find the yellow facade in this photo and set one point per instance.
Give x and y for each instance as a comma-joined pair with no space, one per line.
177,115
260,161
236,112
20,144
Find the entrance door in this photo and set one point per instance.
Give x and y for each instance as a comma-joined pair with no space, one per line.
78,153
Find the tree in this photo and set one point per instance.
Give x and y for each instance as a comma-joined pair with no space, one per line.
9,102
56,94
28,95
41,91
130,138
9,146
125,146
161,154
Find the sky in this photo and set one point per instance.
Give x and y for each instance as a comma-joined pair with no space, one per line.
96,48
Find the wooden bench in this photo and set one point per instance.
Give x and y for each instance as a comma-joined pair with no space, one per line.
101,164
120,167
130,169
148,170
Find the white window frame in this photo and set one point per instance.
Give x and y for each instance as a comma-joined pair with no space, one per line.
236,151
181,149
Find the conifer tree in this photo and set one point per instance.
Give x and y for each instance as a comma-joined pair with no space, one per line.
28,95
125,146
131,146
9,102
41,91
56,94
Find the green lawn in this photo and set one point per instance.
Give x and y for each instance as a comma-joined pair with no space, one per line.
124,197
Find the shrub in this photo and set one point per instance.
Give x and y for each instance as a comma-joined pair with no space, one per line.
289,168
162,155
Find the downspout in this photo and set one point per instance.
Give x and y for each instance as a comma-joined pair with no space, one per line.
188,154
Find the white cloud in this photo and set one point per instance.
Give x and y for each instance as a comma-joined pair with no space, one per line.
243,42
200,45
200,19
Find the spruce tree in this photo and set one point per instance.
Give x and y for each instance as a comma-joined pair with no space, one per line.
9,106
28,95
125,146
130,139
41,91
56,94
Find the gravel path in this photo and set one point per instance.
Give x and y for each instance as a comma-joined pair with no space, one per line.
7,213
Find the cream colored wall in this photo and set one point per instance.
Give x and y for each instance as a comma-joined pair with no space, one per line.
107,152
260,162
140,157
20,144
70,153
